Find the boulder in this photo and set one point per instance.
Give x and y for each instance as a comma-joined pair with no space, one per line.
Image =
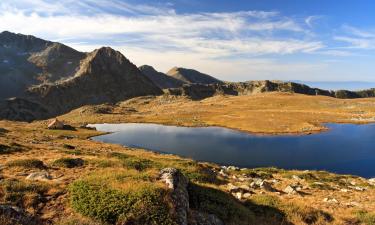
39,176
177,183
371,181
267,186
331,200
292,189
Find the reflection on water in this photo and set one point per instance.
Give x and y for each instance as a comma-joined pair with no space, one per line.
346,148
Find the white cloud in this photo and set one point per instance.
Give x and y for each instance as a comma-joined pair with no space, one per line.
310,20
357,38
222,44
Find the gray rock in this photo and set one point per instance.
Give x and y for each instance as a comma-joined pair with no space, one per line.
292,189
39,176
178,183
357,188
267,186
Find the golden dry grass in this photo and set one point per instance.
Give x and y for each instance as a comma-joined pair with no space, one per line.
265,113
268,113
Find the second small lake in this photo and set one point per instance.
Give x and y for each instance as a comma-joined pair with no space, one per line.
345,148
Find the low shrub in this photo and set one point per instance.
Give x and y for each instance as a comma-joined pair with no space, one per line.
27,163
137,163
23,194
71,147
118,155
13,147
68,162
145,205
365,217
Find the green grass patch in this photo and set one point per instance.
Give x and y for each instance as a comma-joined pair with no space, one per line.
137,163
118,155
68,162
103,163
365,217
144,204
27,163
132,162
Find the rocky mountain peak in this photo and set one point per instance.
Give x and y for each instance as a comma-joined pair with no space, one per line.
103,61
191,76
147,68
20,41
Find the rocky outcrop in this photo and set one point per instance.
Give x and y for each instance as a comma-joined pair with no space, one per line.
104,76
26,60
160,79
201,91
178,185
190,76
39,176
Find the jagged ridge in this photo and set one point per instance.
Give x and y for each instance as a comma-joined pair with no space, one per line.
160,79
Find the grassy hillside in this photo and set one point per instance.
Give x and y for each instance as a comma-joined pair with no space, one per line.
89,182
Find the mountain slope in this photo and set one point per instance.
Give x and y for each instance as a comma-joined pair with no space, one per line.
26,60
104,76
160,79
190,76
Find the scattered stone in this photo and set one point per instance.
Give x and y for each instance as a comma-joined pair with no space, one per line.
222,173
371,181
256,183
357,188
353,204
290,190
246,195
39,176
331,200
245,187
344,190
178,183
232,188
295,177
267,186
238,195
293,189
234,168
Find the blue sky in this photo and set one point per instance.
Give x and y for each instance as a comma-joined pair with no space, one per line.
308,40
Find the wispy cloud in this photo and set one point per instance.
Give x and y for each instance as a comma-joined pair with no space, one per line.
357,38
220,43
310,20
211,34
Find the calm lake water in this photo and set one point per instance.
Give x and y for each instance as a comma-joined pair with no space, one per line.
346,148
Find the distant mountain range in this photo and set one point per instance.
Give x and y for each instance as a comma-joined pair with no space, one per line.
42,79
